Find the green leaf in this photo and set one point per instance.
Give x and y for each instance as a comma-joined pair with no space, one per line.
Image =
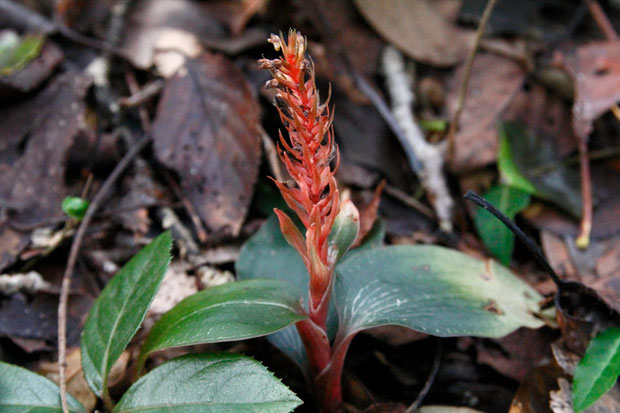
119,310
434,290
531,163
345,229
598,370
267,255
22,391
234,311
16,53
75,207
208,383
500,240
433,125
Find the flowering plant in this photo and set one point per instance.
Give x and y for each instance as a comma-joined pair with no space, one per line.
301,282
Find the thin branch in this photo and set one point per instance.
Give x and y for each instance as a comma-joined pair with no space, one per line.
527,241
469,63
75,247
429,381
431,156
601,19
409,200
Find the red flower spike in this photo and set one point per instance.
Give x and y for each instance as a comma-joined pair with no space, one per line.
307,155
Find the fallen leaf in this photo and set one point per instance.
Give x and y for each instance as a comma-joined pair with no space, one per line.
149,19
32,74
35,182
595,68
512,358
206,131
419,28
492,86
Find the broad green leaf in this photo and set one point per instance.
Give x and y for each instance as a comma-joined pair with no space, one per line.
267,255
234,311
434,290
75,207
208,383
16,53
119,310
531,163
598,370
500,240
22,391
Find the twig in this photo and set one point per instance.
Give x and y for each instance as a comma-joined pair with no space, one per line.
75,247
469,63
409,201
431,156
601,20
585,227
429,381
140,96
531,245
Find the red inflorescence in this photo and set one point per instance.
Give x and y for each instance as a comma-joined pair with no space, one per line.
307,156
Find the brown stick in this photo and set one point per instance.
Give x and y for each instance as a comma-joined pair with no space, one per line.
469,63
601,20
75,247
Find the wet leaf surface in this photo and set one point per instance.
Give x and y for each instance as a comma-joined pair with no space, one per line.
206,131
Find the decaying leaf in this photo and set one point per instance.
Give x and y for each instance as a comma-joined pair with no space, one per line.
419,28
34,182
492,86
206,131
595,67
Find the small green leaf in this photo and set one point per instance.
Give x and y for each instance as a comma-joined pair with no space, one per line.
345,229
16,53
531,164
209,383
75,207
500,240
598,370
434,290
119,310
433,125
234,311
24,391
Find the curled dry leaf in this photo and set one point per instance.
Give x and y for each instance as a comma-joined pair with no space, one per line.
419,28
206,131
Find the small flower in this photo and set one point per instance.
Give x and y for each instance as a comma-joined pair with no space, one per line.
307,155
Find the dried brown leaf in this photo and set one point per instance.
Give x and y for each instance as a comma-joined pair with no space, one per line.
206,131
